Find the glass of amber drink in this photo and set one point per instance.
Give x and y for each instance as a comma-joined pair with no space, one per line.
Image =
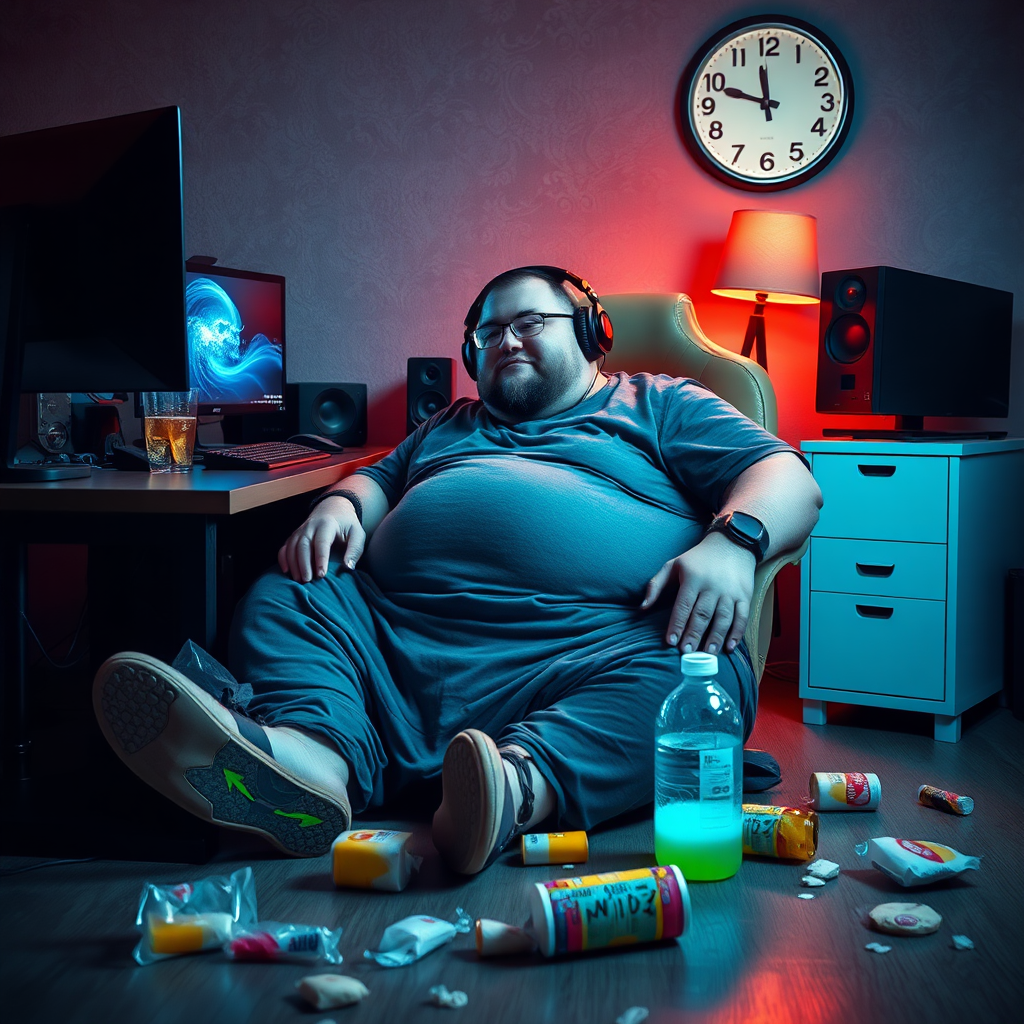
170,428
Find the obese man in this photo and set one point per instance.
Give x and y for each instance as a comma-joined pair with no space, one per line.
500,602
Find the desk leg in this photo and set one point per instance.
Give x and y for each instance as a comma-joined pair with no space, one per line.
199,562
17,738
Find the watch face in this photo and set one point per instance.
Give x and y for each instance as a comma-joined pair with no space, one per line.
766,103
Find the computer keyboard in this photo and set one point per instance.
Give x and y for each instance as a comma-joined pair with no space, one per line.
264,455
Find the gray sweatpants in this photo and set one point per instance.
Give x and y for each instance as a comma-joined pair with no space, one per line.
390,683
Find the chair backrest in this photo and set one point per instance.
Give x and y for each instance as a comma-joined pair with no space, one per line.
659,333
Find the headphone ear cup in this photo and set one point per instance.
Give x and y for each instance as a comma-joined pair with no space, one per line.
583,328
469,358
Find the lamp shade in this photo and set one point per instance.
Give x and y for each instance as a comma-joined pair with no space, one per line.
772,253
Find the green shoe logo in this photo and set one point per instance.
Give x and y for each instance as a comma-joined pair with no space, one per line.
305,820
234,781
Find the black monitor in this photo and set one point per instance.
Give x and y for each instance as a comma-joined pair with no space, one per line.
92,266
236,339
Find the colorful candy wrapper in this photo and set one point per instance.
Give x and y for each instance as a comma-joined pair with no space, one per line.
914,862
943,800
273,941
191,917
413,937
374,858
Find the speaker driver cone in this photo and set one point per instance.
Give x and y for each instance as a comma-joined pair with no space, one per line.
333,411
427,404
848,338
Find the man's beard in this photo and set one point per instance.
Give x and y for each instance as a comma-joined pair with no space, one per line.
521,398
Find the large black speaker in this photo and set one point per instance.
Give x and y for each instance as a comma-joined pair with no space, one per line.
429,388
335,411
901,343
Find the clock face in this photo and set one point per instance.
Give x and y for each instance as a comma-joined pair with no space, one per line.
766,103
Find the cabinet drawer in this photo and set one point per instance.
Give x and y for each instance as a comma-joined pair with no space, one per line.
882,497
870,645
883,568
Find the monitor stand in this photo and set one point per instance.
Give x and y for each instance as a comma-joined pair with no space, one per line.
911,428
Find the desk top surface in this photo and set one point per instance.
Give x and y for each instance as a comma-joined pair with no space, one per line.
201,492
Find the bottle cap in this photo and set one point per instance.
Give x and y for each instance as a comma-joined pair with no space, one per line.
700,664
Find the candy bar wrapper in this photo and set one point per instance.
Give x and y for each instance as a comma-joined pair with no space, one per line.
943,800
413,937
912,862
268,941
191,917
373,858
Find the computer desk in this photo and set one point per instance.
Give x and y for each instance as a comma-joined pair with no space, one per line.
164,557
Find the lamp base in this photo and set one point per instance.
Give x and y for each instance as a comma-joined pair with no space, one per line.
755,333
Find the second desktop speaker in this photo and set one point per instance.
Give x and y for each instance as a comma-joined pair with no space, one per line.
908,344
429,388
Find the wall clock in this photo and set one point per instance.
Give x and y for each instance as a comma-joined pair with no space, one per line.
766,103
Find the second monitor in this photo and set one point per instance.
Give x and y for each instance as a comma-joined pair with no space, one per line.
236,339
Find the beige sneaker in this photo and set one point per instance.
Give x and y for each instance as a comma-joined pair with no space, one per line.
477,818
213,762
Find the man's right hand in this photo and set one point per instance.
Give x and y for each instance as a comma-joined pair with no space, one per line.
307,551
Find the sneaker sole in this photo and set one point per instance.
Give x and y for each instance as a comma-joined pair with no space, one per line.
155,721
473,782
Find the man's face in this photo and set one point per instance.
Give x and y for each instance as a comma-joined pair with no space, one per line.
530,378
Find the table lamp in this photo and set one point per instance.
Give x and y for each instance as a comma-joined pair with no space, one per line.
769,257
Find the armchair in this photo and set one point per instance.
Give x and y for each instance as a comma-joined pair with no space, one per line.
659,333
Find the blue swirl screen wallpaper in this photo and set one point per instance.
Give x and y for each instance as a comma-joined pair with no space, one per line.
235,338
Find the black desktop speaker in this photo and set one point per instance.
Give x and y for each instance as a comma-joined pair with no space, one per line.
335,411
901,343
429,388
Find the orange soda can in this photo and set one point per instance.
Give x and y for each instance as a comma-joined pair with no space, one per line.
943,800
784,832
845,791
555,848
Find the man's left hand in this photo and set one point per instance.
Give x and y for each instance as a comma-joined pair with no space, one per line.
716,582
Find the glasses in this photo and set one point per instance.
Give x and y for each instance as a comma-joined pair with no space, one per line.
526,325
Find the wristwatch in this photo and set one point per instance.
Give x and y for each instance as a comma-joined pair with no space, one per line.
742,529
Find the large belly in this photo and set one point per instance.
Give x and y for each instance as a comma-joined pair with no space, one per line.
515,526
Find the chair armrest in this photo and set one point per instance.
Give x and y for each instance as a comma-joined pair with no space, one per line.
762,613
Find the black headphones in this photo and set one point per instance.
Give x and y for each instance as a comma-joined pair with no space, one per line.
591,324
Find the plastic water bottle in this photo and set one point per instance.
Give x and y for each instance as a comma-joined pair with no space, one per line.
698,776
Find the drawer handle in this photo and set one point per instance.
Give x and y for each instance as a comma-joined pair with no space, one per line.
877,470
884,571
873,611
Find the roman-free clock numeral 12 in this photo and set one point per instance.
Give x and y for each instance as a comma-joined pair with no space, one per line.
766,103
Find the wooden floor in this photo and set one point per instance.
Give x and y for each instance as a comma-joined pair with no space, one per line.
754,952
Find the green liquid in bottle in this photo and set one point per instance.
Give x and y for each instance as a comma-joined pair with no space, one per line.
702,854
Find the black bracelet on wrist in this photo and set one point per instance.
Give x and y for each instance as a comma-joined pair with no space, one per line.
356,503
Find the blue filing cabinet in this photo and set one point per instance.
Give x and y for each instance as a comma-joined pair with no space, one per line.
903,590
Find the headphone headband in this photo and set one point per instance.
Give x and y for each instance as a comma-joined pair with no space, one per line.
591,324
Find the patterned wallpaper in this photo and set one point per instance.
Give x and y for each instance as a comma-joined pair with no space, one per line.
389,156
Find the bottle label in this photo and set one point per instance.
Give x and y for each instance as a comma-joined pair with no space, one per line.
716,786
760,829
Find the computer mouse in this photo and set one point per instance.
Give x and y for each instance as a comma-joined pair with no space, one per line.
321,444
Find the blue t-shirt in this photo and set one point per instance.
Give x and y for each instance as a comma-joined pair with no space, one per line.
583,507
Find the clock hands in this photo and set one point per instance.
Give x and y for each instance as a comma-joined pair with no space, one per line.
766,103
738,94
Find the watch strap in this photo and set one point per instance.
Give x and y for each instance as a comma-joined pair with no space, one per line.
754,537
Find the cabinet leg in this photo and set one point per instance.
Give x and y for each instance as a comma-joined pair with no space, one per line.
816,713
947,728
